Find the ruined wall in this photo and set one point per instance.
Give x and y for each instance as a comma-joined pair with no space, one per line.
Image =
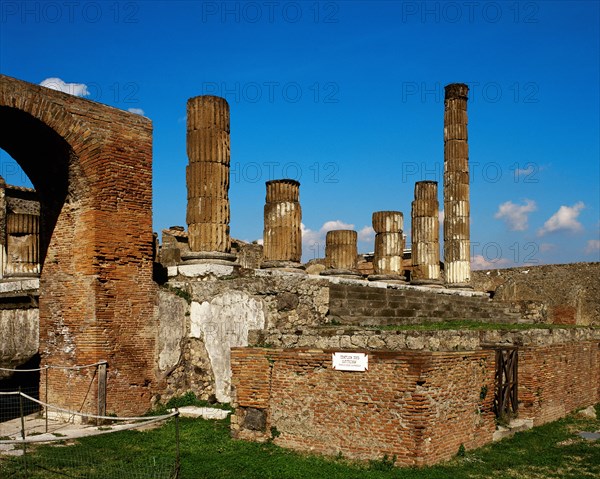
555,380
92,167
197,333
417,406
554,293
19,322
360,305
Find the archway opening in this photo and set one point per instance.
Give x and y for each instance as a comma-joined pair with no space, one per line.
46,159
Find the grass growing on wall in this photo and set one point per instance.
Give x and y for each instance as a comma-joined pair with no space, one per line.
207,451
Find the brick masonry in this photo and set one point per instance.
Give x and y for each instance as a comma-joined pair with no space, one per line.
92,167
419,406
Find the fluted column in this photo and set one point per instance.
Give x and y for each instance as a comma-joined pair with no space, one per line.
208,174
341,253
457,256
389,245
425,245
282,236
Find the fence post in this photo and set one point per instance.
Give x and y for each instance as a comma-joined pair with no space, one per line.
46,401
102,389
23,431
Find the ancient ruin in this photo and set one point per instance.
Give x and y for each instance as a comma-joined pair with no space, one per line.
207,173
282,238
389,246
425,234
341,253
457,254
328,363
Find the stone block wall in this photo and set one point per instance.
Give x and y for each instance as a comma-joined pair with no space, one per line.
364,306
417,406
553,293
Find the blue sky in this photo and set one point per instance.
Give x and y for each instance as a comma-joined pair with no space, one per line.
347,97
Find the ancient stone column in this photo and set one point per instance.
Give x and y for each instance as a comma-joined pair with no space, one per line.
341,253
389,246
282,236
457,257
208,174
425,247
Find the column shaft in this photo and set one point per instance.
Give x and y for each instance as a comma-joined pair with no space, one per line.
207,174
282,236
457,257
425,246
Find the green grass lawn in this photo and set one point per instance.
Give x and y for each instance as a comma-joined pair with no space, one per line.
478,326
207,451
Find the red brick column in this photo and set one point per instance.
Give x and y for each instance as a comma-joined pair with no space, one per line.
92,167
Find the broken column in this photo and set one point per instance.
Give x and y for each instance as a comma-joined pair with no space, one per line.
425,247
457,257
341,253
282,236
207,177
389,246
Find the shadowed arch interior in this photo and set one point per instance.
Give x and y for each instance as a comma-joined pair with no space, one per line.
46,158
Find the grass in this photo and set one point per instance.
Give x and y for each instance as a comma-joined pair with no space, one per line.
207,451
476,326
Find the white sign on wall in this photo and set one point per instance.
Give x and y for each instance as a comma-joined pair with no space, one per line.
350,361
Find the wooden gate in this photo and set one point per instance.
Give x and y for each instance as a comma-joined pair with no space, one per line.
506,397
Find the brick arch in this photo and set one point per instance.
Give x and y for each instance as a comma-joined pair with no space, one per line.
92,167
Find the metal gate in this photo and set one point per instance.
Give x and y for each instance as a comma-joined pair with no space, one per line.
506,401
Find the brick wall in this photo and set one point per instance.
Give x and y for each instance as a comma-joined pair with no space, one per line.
92,167
420,406
553,293
417,406
555,380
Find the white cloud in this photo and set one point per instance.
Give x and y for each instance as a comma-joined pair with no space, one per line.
366,234
441,217
514,215
479,262
76,89
336,225
137,111
546,247
565,219
592,246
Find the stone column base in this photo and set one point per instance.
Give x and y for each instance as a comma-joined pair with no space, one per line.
282,265
207,257
430,283
341,273
460,286
388,278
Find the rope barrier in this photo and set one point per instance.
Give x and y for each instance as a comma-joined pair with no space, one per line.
90,416
98,432
99,363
